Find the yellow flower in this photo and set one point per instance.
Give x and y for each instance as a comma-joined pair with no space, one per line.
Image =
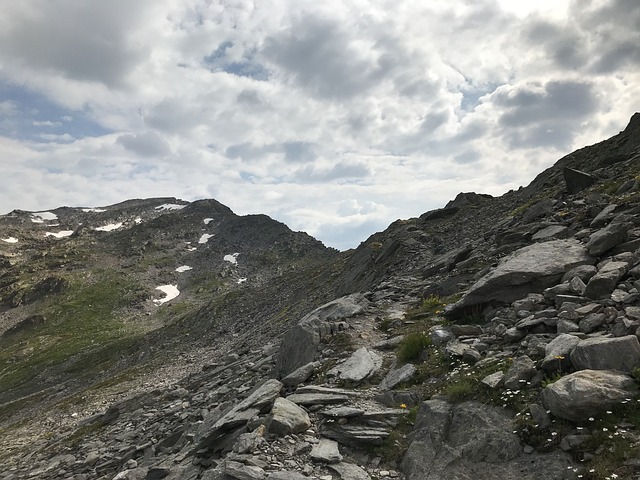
559,357
403,405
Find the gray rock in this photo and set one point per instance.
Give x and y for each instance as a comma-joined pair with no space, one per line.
604,216
472,441
458,349
342,412
605,281
521,371
317,398
466,330
494,380
287,417
586,393
355,435
360,365
558,351
567,326
632,312
577,285
349,471
551,232
440,336
300,375
591,322
218,423
398,376
619,353
247,442
583,272
243,472
606,238
389,344
326,451
300,345
284,475
528,270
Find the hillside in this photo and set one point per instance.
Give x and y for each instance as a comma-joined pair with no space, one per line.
496,337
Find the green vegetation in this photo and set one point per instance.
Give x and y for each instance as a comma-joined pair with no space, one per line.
412,347
81,320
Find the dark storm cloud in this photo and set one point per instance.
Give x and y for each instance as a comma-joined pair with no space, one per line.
147,144
319,56
84,41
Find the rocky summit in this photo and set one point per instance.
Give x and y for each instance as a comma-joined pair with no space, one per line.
494,338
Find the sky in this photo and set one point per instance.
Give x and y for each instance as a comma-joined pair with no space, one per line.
334,117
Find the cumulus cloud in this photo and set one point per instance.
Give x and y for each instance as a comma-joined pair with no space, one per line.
335,118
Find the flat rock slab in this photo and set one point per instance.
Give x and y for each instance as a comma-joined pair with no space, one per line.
326,451
317,398
349,471
530,269
342,412
398,376
360,365
586,393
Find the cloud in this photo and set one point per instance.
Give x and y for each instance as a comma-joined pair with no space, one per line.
146,144
334,117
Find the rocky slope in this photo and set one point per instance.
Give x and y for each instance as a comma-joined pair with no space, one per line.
492,338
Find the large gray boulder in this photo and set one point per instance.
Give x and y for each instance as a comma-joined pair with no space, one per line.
586,393
530,269
610,236
620,353
300,345
557,352
287,417
472,441
605,281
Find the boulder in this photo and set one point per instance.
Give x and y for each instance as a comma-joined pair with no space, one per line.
604,216
521,371
608,237
222,424
605,281
300,345
397,376
586,393
619,353
326,451
558,351
576,180
530,269
287,417
300,375
472,441
240,471
360,365
551,232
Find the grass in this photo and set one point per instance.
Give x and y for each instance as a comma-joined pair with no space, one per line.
412,347
81,320
395,445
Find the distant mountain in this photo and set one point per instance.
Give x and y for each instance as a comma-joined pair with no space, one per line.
496,337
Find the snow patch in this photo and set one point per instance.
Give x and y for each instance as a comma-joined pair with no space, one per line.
205,238
207,220
183,268
170,206
60,234
171,292
41,217
94,210
10,240
241,280
232,258
110,227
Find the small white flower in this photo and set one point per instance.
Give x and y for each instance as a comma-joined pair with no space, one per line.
591,419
